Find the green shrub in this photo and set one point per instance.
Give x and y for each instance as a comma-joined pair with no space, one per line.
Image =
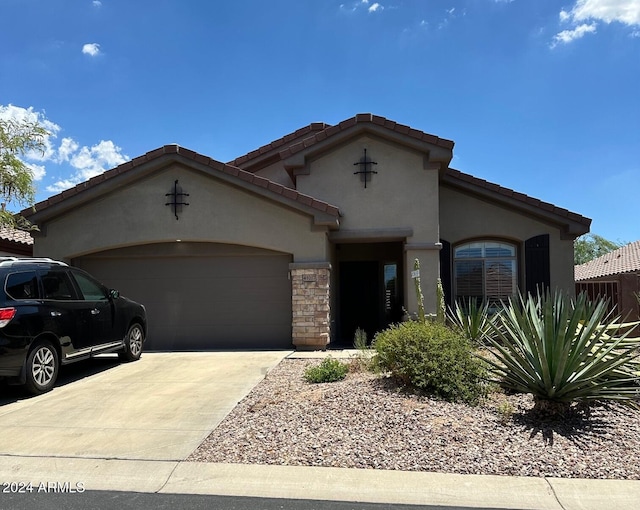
563,351
330,370
360,340
472,320
361,360
432,358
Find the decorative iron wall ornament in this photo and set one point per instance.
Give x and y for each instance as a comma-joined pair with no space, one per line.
176,199
365,168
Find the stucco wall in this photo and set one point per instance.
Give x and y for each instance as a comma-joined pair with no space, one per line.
402,194
464,217
218,212
277,174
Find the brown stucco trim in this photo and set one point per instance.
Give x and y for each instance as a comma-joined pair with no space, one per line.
324,213
422,246
371,235
572,224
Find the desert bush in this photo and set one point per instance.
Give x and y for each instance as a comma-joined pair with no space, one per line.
432,358
360,340
329,370
361,360
563,351
472,320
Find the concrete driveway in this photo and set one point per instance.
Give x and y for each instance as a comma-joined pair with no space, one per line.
158,408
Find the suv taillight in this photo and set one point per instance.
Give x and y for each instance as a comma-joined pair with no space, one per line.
6,314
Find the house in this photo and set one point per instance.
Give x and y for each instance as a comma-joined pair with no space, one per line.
305,239
615,276
15,243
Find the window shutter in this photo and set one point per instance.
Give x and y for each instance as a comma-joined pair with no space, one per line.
445,271
537,266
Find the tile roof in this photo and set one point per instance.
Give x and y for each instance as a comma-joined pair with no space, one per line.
454,177
364,119
15,236
310,135
622,260
319,131
265,185
280,142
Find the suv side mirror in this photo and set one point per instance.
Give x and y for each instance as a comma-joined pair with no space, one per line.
113,294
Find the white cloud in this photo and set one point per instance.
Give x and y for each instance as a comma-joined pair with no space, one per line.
586,14
86,162
566,36
375,7
92,49
97,3
608,11
19,114
62,185
89,162
38,171
67,147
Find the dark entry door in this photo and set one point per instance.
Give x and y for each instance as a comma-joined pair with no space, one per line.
361,304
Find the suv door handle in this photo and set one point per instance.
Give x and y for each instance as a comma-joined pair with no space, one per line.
56,313
95,311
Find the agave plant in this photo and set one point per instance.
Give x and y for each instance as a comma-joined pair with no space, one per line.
565,351
472,320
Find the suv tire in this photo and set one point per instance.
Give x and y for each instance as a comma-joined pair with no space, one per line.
132,343
41,368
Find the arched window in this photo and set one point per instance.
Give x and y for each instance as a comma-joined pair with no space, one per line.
485,271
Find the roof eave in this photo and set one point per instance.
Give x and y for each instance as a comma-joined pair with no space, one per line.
323,213
572,225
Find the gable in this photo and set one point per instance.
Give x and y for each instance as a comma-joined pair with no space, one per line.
225,205
401,194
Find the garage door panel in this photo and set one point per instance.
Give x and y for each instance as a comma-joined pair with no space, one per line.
226,297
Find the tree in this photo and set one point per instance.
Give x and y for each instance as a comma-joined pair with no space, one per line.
592,246
18,138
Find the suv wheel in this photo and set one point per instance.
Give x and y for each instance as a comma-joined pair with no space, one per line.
42,368
133,343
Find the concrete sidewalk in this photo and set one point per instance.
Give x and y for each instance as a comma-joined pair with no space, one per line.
129,427
329,484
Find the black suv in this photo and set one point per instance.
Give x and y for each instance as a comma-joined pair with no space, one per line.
53,314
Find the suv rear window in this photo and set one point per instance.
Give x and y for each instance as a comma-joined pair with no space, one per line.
22,285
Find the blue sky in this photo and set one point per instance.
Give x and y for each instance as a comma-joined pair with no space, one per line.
541,96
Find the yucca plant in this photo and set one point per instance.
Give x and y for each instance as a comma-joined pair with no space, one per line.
564,351
472,320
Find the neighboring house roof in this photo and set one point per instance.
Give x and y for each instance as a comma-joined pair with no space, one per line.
16,236
174,153
16,242
622,260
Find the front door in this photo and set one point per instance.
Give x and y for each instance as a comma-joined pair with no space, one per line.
360,298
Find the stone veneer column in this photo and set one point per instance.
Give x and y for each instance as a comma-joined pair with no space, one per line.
310,304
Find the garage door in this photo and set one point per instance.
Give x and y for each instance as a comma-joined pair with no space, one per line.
202,296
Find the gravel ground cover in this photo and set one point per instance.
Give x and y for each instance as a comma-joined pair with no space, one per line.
365,421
